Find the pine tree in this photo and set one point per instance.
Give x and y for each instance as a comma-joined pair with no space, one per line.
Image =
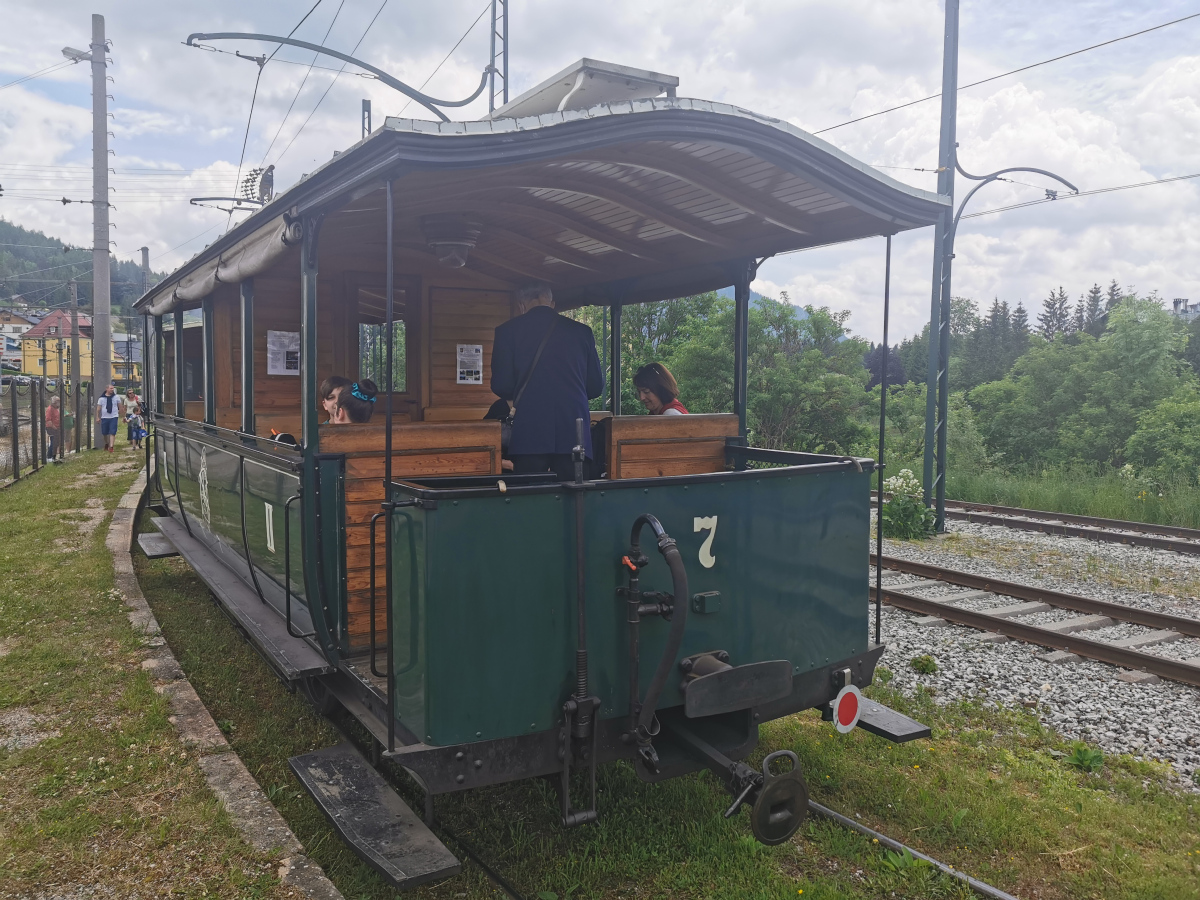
1093,315
1114,295
1078,324
1020,320
1055,318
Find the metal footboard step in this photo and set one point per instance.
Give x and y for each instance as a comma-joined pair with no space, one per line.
372,819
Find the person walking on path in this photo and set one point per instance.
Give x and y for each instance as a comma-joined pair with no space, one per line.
53,424
133,418
108,414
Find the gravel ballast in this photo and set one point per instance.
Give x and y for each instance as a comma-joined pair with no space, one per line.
1082,700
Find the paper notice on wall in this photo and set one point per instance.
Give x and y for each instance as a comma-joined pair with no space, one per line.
470,363
283,353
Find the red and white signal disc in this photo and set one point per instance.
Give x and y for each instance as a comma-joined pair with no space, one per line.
847,706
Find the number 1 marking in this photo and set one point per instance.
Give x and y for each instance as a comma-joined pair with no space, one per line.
709,524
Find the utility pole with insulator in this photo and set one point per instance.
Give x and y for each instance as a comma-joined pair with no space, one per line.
498,94
101,289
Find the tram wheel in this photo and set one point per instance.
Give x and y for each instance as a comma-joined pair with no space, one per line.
319,695
782,803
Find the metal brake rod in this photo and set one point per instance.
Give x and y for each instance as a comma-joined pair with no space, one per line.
425,100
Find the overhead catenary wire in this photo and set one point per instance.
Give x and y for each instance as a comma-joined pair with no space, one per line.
39,73
447,56
370,25
1011,72
1061,197
303,82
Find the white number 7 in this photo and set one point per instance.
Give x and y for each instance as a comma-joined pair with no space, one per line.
709,524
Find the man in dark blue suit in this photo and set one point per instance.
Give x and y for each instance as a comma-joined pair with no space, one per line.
566,376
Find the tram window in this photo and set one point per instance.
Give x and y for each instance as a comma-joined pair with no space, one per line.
372,354
371,304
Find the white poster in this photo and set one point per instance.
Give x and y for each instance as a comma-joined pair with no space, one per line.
283,353
470,363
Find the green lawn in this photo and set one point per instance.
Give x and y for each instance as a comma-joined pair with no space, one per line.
96,791
987,794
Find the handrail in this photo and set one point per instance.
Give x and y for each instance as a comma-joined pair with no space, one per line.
374,671
216,436
178,496
287,567
245,539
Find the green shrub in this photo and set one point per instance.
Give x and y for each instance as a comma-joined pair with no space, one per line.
925,664
904,515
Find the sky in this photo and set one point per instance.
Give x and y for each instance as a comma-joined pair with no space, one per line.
1117,115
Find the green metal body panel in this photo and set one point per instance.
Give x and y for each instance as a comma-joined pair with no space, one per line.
182,458
483,590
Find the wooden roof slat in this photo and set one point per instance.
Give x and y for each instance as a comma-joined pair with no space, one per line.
763,207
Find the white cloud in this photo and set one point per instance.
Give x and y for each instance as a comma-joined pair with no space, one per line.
1126,113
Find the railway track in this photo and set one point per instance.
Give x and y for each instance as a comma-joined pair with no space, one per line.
991,610
1118,531
1115,531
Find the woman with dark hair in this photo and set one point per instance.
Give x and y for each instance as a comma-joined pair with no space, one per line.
355,403
328,393
658,391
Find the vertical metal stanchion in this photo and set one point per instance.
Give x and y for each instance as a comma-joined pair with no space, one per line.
887,291
33,424
62,413
15,428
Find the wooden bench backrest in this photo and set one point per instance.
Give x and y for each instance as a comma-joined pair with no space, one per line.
418,450
651,446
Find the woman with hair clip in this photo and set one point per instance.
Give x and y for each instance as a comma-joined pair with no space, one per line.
658,391
355,403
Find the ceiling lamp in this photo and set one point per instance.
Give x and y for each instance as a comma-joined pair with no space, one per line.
451,237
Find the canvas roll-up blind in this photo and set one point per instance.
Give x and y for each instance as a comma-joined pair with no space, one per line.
254,254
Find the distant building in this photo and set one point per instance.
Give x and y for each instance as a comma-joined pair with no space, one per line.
12,326
46,347
1185,310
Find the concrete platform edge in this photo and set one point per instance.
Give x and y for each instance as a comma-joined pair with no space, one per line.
255,817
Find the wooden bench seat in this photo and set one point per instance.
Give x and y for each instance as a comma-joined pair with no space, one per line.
657,446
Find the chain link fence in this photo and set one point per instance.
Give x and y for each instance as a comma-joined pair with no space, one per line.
41,419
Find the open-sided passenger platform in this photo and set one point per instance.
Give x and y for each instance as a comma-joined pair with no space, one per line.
370,816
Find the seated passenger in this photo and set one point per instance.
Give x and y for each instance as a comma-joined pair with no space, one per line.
355,403
658,391
328,394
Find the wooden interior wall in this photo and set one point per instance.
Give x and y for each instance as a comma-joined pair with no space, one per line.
459,315
227,350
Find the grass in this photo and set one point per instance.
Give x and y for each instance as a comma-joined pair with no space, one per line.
1082,493
990,794
96,791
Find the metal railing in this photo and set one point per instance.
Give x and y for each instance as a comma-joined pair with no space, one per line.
34,431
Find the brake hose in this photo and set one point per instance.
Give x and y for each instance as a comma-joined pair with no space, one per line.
670,553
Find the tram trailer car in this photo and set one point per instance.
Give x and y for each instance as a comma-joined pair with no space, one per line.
485,627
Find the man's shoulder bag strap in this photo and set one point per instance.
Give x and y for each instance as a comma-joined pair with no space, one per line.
536,357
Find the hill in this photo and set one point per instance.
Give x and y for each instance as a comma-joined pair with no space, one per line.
35,269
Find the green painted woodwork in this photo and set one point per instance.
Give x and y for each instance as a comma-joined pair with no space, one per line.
484,600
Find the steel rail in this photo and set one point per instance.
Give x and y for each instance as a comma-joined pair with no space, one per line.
1164,667
1117,531
1093,521
1074,602
1053,523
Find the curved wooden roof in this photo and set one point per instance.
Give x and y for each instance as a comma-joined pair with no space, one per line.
626,202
